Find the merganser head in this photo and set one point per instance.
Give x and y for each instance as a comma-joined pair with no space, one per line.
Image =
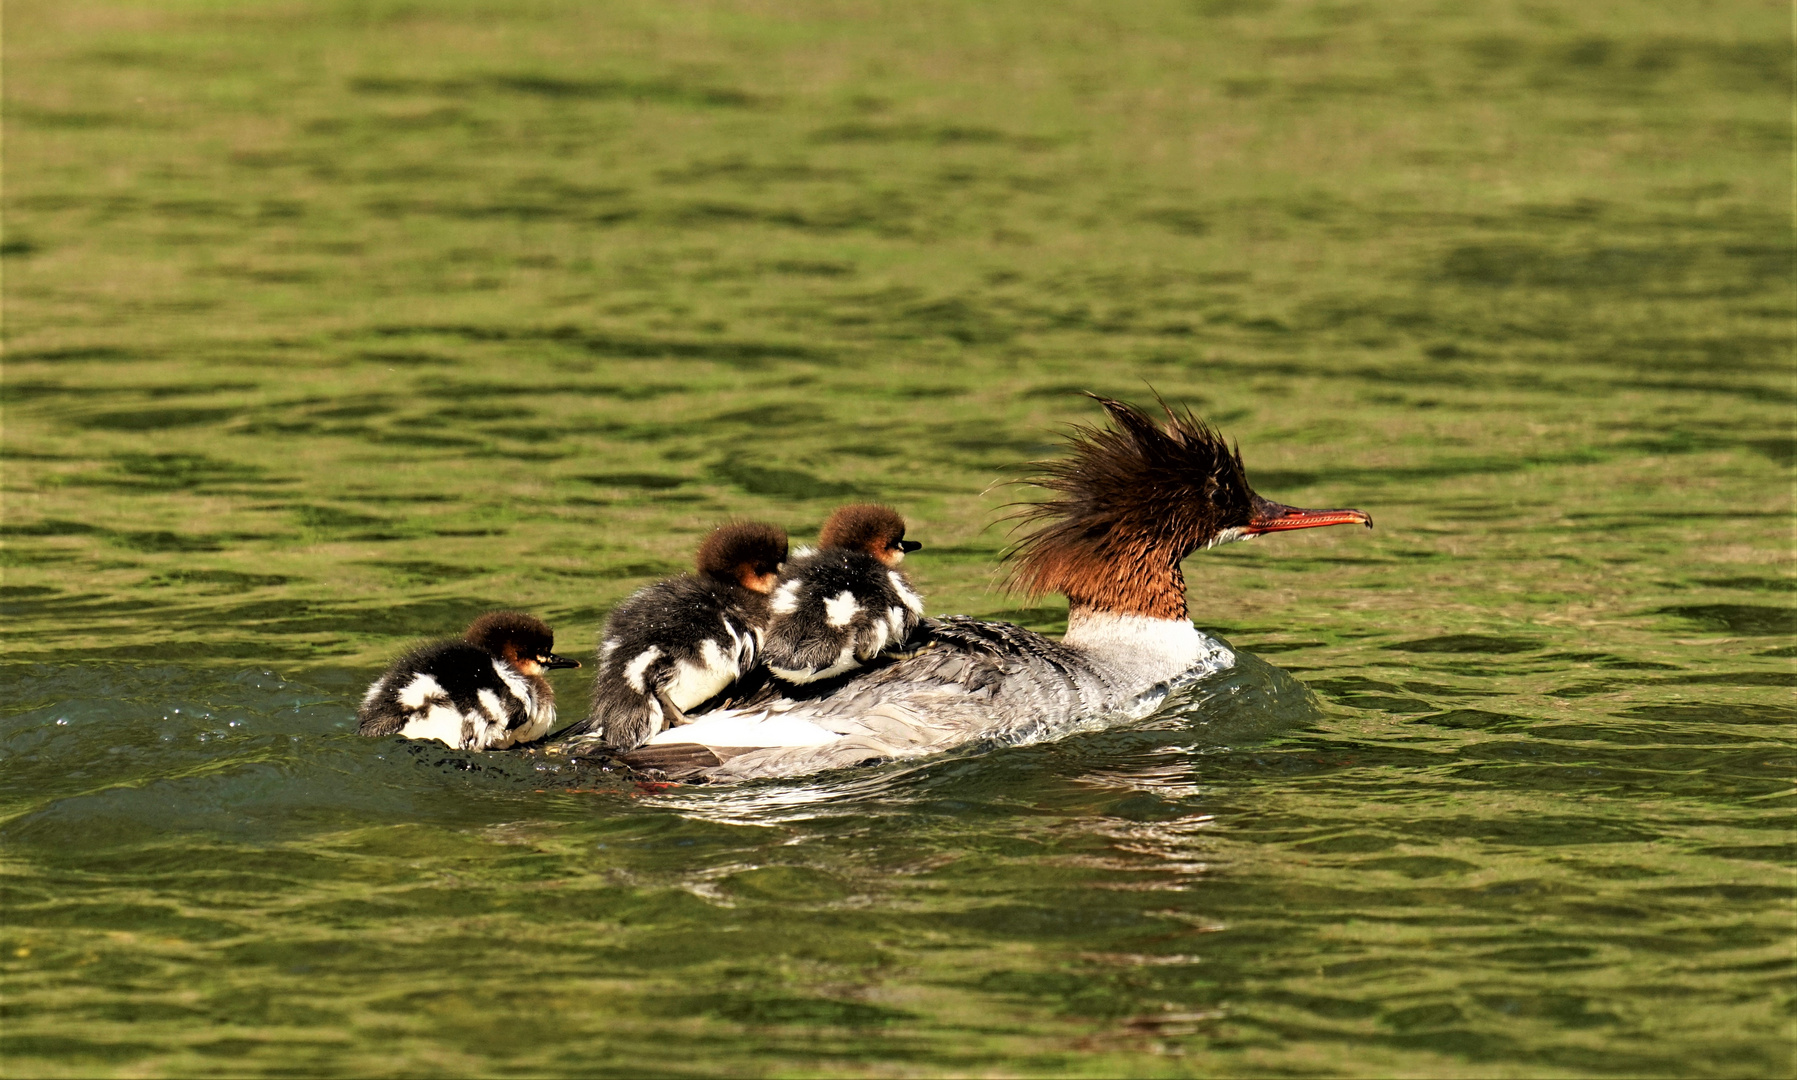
1135,499
746,553
523,641
877,530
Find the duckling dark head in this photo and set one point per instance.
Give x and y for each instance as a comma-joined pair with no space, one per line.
746,553
523,641
877,530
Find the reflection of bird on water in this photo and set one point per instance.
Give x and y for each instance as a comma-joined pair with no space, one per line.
485,692
1129,503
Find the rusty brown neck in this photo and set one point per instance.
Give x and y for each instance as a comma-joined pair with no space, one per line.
1148,583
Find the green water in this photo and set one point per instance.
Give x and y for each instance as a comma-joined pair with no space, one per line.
330,325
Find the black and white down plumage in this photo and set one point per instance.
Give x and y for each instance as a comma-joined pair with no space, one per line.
483,693
833,611
679,643
1132,501
669,648
963,680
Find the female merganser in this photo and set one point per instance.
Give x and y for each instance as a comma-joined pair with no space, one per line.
678,643
845,603
485,692
1131,502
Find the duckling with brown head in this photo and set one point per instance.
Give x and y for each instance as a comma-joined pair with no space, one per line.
840,606
1128,503
676,644
484,692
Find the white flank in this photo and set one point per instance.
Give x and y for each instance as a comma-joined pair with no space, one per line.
748,729
421,689
1139,642
606,648
633,671
895,621
786,597
696,682
441,723
906,596
840,610
374,691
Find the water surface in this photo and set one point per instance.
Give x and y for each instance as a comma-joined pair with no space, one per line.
330,326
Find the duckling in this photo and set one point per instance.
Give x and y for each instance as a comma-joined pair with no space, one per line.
485,692
678,643
840,606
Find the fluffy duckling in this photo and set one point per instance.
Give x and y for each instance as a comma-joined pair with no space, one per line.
840,606
485,692
678,643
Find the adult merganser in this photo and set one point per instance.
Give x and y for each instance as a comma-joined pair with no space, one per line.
485,692
678,643
845,603
1131,501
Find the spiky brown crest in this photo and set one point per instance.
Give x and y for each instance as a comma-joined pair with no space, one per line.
742,548
1131,500
863,527
511,634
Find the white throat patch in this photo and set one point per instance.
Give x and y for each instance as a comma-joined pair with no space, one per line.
1137,640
